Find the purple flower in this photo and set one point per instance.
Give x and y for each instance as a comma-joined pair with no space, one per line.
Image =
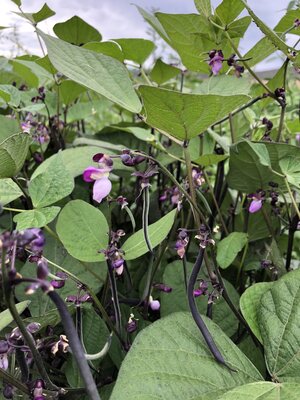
102,185
297,23
182,242
216,60
154,304
255,206
257,201
3,354
202,289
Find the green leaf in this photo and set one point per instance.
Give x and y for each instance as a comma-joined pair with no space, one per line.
70,91
75,160
83,231
263,390
101,73
163,72
5,316
278,318
13,152
261,50
76,31
33,73
177,299
291,169
224,85
229,248
286,22
137,50
51,317
8,127
51,185
184,116
154,22
10,95
238,28
17,2
44,13
210,159
111,49
173,354
270,34
90,274
35,218
204,7
250,302
250,167
136,246
9,191
229,10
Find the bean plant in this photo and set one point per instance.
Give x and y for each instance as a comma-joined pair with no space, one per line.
149,229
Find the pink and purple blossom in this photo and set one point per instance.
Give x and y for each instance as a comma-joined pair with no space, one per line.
102,185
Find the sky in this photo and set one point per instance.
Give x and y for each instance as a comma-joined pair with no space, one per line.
120,18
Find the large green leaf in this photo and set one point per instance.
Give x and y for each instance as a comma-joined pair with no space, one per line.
270,34
9,191
5,316
44,13
137,50
262,49
224,85
163,72
250,303
170,360
210,159
13,152
111,49
204,7
10,95
69,91
154,22
75,159
136,246
76,31
230,247
8,127
90,274
291,169
228,10
51,185
36,218
286,23
279,324
264,391
177,299
83,231
184,116
101,73
250,167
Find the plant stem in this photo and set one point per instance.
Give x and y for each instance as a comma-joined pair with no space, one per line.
281,123
9,298
292,197
292,230
28,199
75,344
6,377
115,298
255,76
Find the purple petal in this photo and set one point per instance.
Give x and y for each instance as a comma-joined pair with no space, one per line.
255,206
101,189
88,172
154,305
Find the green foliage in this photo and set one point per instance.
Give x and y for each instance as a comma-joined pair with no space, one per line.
204,7
183,116
9,191
229,10
163,72
36,218
13,152
6,318
230,247
136,246
137,50
177,299
177,357
83,231
98,72
76,31
51,185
